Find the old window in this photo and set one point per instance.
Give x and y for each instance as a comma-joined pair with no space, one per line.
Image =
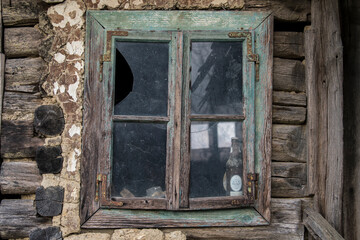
177,119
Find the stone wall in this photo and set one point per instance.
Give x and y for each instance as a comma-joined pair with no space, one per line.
57,30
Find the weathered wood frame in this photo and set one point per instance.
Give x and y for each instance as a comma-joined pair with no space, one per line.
98,117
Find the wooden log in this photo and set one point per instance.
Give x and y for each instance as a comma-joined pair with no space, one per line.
24,74
17,102
49,201
287,10
18,218
289,98
22,42
329,76
2,84
52,233
289,75
17,139
49,159
49,120
318,226
287,187
19,178
289,170
288,143
289,45
289,114
26,14
286,210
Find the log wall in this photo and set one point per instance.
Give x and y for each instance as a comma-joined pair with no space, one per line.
25,69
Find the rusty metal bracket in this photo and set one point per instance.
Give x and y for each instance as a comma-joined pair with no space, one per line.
98,182
251,56
101,194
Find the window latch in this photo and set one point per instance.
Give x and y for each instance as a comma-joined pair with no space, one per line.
252,186
98,184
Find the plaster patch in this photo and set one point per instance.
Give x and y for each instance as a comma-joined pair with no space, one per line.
109,3
56,87
138,2
68,12
74,130
75,48
62,88
59,57
219,2
72,89
79,65
71,167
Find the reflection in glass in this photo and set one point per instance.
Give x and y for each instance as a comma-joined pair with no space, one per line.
139,160
208,164
216,78
141,78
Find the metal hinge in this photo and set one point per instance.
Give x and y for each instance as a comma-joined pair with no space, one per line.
98,186
252,185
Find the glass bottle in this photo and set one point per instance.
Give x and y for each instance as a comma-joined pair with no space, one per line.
234,170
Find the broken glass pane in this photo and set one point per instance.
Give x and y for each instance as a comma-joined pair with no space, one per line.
139,160
216,78
209,156
141,78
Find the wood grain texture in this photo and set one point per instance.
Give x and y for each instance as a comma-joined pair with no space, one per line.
18,218
289,170
287,10
17,139
289,114
2,84
289,143
318,226
329,53
312,108
24,74
25,14
18,102
287,187
49,120
93,124
19,177
289,98
22,42
289,45
289,75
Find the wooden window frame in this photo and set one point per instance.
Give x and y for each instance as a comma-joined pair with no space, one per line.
98,210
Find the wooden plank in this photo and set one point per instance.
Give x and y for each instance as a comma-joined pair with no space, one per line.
24,74
286,210
289,45
132,118
217,117
289,143
25,14
93,123
17,139
22,42
161,218
287,187
18,102
289,114
2,84
19,177
312,109
18,218
289,75
287,10
289,98
318,226
289,170
329,53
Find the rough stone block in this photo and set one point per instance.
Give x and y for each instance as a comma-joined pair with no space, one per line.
124,234
53,1
50,233
49,159
150,234
89,236
176,235
49,120
49,201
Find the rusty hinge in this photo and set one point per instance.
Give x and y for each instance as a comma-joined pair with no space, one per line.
252,185
103,58
98,186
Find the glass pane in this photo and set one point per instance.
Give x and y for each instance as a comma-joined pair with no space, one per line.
141,78
216,170
216,78
139,160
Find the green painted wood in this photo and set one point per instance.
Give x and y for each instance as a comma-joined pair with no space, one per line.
179,20
145,219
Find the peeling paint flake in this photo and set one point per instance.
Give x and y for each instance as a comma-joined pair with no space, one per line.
71,167
79,65
60,58
75,48
74,130
69,12
72,89
56,87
